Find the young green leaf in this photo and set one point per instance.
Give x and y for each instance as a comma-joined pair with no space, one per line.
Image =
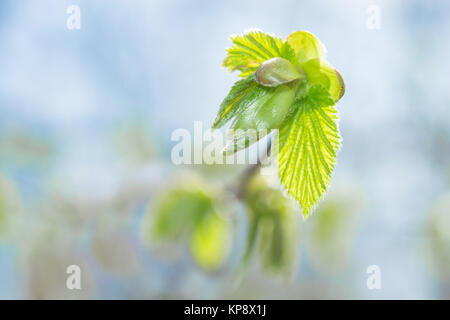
309,135
319,72
253,48
306,47
267,112
308,146
243,93
259,118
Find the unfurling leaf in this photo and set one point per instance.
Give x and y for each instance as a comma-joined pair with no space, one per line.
308,146
268,111
259,118
291,87
319,72
242,94
306,47
253,48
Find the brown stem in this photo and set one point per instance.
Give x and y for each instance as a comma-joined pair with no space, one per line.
250,171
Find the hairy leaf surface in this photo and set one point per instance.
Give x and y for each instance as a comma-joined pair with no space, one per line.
308,146
242,94
306,47
253,48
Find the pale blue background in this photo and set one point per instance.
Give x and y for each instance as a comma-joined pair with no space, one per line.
159,62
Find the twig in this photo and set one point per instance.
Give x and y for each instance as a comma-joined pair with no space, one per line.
251,171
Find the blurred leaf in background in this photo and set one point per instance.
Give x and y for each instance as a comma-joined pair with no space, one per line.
2,214
437,240
21,147
11,208
273,228
330,232
190,211
210,241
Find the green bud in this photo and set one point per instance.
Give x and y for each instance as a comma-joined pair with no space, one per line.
319,72
341,83
276,71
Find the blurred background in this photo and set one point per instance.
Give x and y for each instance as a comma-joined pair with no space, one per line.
86,176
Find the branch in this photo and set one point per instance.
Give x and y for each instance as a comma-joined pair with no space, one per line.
250,171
